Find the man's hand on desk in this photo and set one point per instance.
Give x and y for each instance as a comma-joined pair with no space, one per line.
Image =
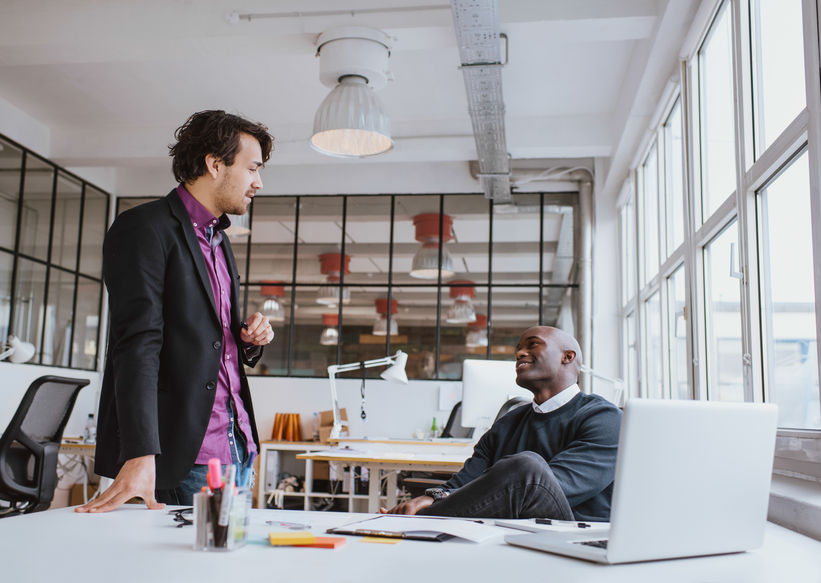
412,506
136,478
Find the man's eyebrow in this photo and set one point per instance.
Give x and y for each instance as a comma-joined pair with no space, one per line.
529,338
258,163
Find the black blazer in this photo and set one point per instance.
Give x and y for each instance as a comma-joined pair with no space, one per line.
164,342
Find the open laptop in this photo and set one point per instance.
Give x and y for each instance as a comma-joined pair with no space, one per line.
692,479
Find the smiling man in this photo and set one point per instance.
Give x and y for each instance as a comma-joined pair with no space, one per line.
174,393
554,458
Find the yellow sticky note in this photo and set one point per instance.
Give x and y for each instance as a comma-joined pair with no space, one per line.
291,538
380,540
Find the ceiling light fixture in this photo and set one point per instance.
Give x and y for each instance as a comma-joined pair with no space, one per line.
272,291
351,122
330,264
426,261
461,312
330,335
380,327
477,332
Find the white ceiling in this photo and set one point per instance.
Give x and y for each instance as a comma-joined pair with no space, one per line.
112,79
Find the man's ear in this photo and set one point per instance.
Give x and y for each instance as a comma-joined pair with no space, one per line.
212,165
568,356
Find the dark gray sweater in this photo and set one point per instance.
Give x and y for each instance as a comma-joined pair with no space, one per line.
579,442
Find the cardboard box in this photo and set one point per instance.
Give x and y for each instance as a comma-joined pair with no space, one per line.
326,423
322,471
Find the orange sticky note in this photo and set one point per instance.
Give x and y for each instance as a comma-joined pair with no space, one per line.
327,542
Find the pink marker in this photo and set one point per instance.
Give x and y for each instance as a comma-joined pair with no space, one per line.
214,473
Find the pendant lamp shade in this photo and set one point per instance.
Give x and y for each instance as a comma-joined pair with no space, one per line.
330,334
351,122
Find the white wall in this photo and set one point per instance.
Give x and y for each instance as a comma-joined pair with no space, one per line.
18,377
393,410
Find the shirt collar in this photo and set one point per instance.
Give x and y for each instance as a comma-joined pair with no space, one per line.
558,400
200,216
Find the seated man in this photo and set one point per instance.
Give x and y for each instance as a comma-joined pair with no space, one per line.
555,458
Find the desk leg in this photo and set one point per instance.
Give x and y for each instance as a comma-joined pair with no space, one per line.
309,482
390,489
374,483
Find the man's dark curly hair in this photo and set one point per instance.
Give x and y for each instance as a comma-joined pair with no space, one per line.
212,132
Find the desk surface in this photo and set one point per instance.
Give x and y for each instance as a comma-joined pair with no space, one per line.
403,458
136,545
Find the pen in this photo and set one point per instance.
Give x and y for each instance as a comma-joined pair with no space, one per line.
551,521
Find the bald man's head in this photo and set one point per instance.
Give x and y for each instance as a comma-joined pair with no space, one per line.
547,358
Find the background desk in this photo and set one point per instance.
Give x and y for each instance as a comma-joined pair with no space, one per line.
133,545
385,462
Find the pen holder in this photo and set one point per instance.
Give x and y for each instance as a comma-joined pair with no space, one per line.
220,528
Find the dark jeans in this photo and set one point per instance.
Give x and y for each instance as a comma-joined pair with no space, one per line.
521,485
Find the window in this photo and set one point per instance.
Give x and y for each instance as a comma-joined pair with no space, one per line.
674,178
677,335
356,252
723,317
628,246
778,67
654,387
54,259
649,216
715,74
788,300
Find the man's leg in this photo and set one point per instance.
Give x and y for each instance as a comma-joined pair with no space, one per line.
517,486
183,494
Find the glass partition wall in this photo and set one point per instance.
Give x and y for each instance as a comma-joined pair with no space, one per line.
347,278
52,225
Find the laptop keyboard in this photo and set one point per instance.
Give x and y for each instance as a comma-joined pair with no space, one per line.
600,544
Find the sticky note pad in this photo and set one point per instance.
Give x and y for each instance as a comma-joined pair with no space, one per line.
380,540
291,538
327,542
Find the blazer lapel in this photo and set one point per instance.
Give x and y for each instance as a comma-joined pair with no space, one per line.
179,212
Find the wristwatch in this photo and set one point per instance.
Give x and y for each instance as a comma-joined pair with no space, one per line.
437,493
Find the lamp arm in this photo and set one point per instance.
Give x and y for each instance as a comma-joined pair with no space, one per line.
7,353
619,383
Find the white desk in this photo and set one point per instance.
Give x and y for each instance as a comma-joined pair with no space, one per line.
383,460
133,545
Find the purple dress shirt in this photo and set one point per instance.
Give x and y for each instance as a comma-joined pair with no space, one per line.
216,442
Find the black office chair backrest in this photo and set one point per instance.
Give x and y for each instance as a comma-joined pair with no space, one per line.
453,427
29,446
509,405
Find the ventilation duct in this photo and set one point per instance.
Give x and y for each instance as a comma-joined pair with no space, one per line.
477,35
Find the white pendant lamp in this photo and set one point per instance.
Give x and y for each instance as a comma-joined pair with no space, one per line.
330,293
426,261
330,334
380,326
273,291
351,121
461,311
476,336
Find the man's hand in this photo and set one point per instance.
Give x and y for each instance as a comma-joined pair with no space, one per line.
257,330
412,506
136,478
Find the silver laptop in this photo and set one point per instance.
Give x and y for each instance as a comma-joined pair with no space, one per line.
692,479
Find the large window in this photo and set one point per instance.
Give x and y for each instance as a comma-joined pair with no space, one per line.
739,316
51,232
443,277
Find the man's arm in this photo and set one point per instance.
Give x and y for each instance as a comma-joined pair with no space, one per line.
474,467
134,273
588,464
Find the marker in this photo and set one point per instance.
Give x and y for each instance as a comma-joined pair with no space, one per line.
551,521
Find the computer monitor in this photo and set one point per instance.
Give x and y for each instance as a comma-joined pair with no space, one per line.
486,385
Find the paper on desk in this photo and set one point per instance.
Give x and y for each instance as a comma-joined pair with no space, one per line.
530,525
473,531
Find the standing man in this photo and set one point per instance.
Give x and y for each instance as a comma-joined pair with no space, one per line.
174,391
554,458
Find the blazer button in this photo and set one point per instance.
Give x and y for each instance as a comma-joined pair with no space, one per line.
211,385
217,344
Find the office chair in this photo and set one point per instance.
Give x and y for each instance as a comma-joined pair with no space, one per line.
417,482
29,446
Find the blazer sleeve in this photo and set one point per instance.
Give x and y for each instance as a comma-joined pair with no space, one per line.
134,272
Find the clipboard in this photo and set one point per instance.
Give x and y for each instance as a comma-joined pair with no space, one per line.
428,535
427,528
